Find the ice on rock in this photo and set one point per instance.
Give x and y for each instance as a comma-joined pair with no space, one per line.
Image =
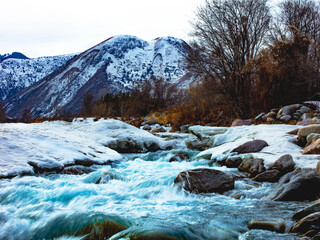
26,148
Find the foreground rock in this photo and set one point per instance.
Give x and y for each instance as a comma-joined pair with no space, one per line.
253,166
268,176
310,222
313,148
100,230
299,185
205,181
306,211
251,147
273,224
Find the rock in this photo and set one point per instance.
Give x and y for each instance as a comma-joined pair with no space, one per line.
285,118
318,167
294,132
179,156
46,167
184,129
299,185
305,116
305,122
315,120
150,121
269,119
258,117
288,110
271,115
268,176
76,170
158,130
305,131
272,224
146,127
100,230
252,166
240,122
205,181
311,138
307,223
284,164
149,236
306,211
199,145
313,148
304,110
251,147
233,162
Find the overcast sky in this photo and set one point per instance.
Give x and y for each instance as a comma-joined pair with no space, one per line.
53,27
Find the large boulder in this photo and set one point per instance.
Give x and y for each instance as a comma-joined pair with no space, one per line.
288,110
273,224
251,147
307,223
205,180
313,148
253,166
284,164
299,185
233,162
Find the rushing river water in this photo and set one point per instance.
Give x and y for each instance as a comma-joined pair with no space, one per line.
139,193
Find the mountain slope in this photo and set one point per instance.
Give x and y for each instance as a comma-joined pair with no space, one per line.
14,55
17,74
109,67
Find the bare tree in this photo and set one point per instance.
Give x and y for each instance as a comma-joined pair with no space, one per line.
228,35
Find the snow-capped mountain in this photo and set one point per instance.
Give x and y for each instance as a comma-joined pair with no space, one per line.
17,74
109,67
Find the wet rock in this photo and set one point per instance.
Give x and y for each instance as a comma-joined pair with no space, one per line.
253,166
299,185
158,130
240,122
304,122
146,127
284,164
46,167
306,211
307,223
205,181
179,156
76,170
100,230
151,236
272,224
251,147
184,129
313,148
233,162
200,145
268,176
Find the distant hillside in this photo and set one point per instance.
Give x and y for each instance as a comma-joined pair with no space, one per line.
109,67
14,55
18,73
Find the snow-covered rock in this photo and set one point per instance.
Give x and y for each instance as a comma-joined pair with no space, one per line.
277,137
37,147
109,67
18,74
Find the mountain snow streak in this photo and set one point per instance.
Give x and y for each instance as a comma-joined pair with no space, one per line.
109,67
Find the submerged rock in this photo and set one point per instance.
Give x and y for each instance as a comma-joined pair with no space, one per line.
272,224
299,185
253,166
179,156
251,147
284,164
100,230
205,180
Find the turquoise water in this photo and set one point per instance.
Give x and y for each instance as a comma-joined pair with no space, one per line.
138,193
